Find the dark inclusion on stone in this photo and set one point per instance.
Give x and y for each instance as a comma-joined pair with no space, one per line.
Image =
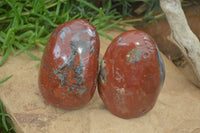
71,72
134,55
103,72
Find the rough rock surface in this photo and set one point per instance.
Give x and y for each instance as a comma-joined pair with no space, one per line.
176,111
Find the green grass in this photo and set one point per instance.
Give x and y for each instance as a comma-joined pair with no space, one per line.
4,80
6,125
28,24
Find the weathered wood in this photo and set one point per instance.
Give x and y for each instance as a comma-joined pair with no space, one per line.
182,35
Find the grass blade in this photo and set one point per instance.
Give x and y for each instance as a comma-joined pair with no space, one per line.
31,55
119,28
110,26
5,56
3,119
104,35
4,80
100,19
89,5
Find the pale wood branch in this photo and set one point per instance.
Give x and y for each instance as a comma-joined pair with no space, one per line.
182,35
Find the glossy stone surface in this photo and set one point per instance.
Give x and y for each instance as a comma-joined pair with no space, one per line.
69,66
131,75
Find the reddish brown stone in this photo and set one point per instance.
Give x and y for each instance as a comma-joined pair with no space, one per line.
131,75
69,65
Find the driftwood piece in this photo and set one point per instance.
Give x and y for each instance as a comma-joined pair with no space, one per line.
182,35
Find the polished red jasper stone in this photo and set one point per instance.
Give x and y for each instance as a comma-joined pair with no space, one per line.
69,66
131,74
